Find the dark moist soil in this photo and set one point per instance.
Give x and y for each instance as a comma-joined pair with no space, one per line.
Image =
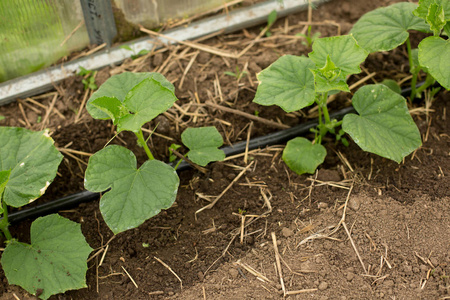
398,215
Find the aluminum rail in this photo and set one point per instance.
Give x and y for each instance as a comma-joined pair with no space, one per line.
44,80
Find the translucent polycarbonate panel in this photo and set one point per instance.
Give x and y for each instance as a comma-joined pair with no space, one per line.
32,33
151,13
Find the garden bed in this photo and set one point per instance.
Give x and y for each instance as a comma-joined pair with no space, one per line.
398,214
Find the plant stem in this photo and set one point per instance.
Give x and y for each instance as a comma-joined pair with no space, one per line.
142,142
323,105
178,163
428,81
412,69
4,222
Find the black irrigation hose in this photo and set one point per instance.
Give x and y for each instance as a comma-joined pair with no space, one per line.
259,142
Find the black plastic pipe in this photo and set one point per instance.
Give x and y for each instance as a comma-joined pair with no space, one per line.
259,142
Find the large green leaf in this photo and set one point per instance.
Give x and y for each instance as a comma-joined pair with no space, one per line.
288,83
203,143
145,101
53,263
33,161
384,125
386,28
434,54
4,178
118,87
343,50
302,156
136,194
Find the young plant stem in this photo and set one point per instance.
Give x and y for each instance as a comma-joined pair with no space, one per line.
326,115
4,222
317,135
428,81
143,143
412,69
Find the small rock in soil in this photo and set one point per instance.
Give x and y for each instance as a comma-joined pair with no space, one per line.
254,67
350,276
233,272
286,232
307,266
322,205
200,275
163,125
328,175
323,286
354,203
388,283
157,60
203,57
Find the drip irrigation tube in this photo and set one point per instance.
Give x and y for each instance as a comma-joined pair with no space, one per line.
259,142
278,137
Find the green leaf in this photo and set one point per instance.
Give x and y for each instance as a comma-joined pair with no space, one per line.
343,51
423,10
203,143
126,47
136,194
53,263
446,32
302,156
33,161
288,83
272,18
386,28
173,157
384,125
118,86
329,78
4,178
435,18
145,101
111,106
434,53
393,85
2,118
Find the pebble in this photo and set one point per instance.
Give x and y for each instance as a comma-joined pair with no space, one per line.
350,276
233,273
157,59
200,276
307,266
323,285
388,283
329,175
322,205
286,232
354,203
163,125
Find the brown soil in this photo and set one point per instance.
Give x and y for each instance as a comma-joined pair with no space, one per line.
398,216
